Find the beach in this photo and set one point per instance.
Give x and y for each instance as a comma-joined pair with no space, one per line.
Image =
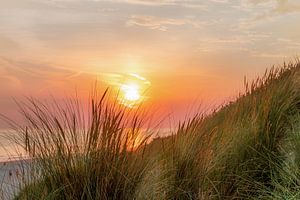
11,175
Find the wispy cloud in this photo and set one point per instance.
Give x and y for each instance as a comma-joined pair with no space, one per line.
268,55
36,70
157,23
280,7
220,1
183,3
151,2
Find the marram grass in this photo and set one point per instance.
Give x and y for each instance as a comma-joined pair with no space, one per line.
248,149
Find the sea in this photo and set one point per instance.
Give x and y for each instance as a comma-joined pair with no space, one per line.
12,151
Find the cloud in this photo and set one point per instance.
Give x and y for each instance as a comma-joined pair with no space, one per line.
235,43
280,7
220,1
8,43
183,3
269,55
36,70
151,2
10,81
284,6
264,10
157,23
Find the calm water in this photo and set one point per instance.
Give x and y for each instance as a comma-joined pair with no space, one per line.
10,151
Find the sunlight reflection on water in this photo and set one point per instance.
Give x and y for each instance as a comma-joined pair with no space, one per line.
10,151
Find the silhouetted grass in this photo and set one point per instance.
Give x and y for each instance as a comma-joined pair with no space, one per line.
79,155
248,149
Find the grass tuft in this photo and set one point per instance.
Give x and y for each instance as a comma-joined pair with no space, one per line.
247,149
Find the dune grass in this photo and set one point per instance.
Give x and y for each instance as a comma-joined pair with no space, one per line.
248,149
75,156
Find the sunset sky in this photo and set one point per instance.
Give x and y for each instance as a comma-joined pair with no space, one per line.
181,52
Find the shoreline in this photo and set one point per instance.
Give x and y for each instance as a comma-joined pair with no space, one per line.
12,172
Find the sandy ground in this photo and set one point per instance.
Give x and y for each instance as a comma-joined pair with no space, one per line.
11,174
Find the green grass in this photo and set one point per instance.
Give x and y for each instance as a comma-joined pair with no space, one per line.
248,149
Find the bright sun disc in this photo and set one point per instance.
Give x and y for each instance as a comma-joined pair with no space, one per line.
131,92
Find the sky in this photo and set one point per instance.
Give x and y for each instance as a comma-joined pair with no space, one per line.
184,52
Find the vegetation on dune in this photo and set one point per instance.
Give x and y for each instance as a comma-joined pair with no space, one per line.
81,157
248,149
252,131
234,152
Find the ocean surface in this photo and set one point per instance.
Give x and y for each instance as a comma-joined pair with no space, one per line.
10,151
12,162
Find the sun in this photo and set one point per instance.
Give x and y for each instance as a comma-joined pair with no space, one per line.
132,89
131,92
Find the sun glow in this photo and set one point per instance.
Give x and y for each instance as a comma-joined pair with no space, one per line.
132,89
131,92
